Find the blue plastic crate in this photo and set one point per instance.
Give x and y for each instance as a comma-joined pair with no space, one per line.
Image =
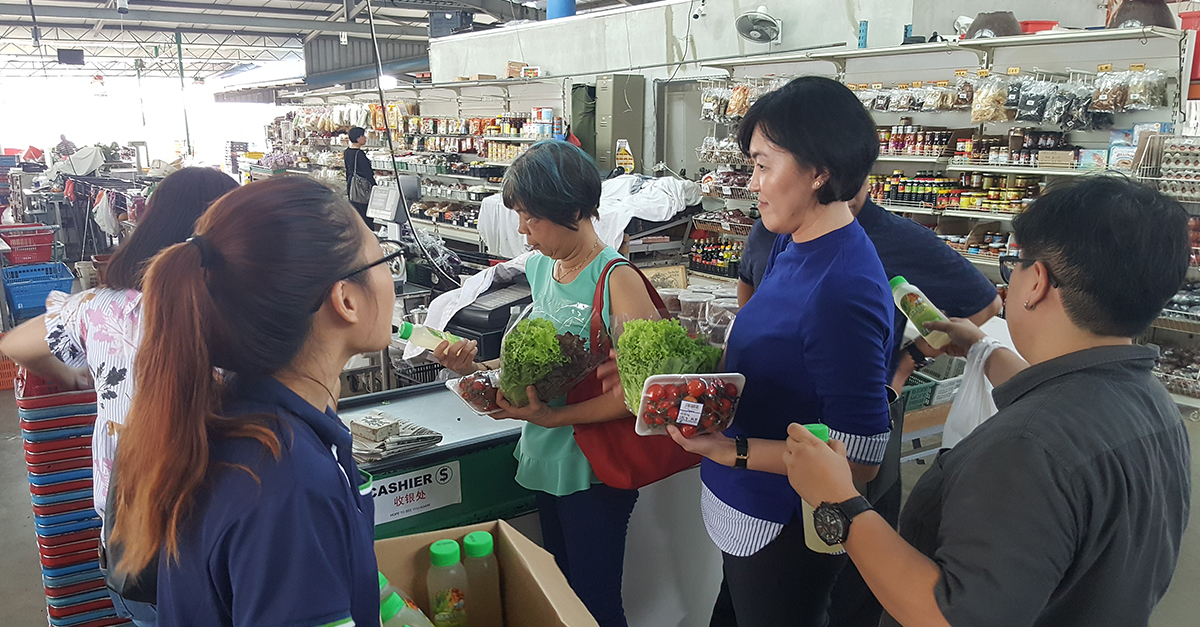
26,287
73,578
8,161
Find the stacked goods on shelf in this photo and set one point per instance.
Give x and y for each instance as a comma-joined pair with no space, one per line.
914,140
56,426
717,257
727,182
7,162
1027,147
446,212
233,150
971,191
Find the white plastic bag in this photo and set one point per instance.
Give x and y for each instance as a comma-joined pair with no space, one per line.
974,403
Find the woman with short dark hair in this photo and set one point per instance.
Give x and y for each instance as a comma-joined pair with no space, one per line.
358,164
813,344
555,190
1067,507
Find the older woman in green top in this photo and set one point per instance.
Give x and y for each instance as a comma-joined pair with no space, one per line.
555,189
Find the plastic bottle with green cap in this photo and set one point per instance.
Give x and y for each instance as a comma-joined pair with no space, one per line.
913,303
447,584
811,539
483,578
424,336
397,609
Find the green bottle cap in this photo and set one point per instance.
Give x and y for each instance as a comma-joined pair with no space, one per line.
478,544
898,280
444,553
389,608
382,581
406,330
819,430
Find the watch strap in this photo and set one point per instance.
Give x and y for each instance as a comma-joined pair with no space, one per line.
919,358
743,451
854,507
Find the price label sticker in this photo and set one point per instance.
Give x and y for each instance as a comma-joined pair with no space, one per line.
1104,67
982,72
725,226
1013,71
917,84
726,191
903,85
863,86
852,87
705,188
960,72
943,83
689,413
1137,67
876,85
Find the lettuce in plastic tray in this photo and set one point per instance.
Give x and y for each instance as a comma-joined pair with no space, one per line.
652,347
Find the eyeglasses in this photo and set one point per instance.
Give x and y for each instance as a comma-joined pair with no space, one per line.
1007,262
388,258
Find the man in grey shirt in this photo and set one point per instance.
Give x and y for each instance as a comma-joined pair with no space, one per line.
1066,508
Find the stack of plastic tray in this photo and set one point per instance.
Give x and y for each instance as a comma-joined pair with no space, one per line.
56,425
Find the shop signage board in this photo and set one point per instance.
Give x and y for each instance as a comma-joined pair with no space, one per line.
417,492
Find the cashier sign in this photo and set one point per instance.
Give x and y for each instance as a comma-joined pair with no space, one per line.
416,492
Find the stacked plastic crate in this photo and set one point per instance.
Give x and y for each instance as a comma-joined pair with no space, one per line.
56,425
7,162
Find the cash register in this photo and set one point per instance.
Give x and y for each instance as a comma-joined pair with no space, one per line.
486,319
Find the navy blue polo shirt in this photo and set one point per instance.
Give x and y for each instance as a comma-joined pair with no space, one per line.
914,252
290,546
756,255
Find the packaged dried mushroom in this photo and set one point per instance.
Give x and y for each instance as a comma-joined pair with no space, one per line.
1147,90
964,92
1112,92
1034,97
990,96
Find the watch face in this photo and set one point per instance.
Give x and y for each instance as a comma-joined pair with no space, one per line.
830,524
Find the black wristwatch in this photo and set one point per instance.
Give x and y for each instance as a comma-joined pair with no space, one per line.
743,451
919,358
831,521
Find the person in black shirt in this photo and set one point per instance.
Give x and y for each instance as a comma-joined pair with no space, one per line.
1068,506
754,260
357,161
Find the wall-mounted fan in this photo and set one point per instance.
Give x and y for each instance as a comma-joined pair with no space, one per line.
759,27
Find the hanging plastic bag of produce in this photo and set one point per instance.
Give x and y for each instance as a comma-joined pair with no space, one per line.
549,348
1034,98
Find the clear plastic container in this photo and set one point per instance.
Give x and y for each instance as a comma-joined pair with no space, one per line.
483,578
692,304
696,403
670,296
728,304
691,325
447,583
726,292
702,289
478,391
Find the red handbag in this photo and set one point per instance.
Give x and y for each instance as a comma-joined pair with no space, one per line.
619,456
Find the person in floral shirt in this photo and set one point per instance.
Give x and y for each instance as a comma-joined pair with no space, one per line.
93,336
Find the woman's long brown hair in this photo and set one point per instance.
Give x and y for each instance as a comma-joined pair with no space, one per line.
241,298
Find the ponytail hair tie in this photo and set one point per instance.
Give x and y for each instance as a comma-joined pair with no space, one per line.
210,257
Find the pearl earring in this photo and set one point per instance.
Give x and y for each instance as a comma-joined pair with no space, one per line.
1027,307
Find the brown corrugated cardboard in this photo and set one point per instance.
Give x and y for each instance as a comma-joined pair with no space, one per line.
513,69
534,590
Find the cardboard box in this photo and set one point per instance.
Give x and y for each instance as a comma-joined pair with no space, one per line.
483,77
534,590
513,69
1056,158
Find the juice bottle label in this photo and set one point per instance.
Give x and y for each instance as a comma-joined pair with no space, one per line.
449,608
919,311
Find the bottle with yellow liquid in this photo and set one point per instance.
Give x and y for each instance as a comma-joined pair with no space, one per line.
913,303
811,539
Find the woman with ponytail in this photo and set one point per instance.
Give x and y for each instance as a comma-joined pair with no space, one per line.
94,334
241,479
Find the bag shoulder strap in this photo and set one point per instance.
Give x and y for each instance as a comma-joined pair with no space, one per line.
598,337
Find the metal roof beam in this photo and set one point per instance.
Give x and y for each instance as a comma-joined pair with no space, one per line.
77,35
209,6
176,18
44,26
499,9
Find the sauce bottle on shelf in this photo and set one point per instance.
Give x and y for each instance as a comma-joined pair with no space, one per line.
483,579
916,307
447,583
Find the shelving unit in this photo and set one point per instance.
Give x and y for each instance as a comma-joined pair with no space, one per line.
450,231
911,159
1017,169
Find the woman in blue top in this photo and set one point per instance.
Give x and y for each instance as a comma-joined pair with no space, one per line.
813,343
555,190
242,478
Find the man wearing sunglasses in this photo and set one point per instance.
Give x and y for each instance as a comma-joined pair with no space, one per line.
1067,507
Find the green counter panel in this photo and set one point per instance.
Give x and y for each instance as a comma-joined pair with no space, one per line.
489,491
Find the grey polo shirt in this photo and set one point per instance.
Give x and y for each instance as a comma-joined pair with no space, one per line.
1067,507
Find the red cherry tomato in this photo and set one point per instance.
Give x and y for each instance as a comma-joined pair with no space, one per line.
725,405
671,392
688,431
710,390
683,389
655,392
673,413
695,387
730,390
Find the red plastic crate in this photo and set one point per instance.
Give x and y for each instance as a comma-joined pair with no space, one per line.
82,452
111,621
80,608
59,488
66,591
70,559
57,445
45,542
34,392
59,466
8,372
62,508
21,235
83,420
70,547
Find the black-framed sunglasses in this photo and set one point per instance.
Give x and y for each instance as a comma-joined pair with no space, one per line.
388,258
1007,262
